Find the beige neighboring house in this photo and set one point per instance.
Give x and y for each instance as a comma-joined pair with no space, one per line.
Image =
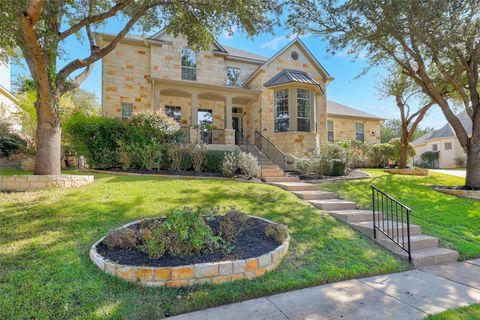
445,142
8,102
236,94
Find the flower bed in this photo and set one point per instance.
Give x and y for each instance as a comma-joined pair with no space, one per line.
408,172
254,253
459,192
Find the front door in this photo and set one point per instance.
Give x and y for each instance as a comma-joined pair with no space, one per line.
237,125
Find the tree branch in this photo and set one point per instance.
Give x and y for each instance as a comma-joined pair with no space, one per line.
92,19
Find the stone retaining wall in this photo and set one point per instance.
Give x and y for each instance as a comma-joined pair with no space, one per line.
179,276
408,172
33,182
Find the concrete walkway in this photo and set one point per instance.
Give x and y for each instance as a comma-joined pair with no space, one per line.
407,295
457,173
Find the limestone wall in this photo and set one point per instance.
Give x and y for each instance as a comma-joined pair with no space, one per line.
31,182
344,129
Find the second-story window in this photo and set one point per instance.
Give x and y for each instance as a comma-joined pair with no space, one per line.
189,64
281,111
303,110
233,77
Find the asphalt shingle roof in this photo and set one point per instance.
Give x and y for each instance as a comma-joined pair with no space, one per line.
337,109
447,131
244,54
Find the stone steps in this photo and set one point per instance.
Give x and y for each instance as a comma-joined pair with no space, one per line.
280,179
295,186
350,216
333,204
366,228
417,242
430,256
315,195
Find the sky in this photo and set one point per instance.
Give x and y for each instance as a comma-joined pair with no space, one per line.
348,88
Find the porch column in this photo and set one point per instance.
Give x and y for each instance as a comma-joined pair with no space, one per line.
156,98
229,132
228,113
194,132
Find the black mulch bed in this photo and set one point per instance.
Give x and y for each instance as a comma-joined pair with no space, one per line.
167,172
464,188
251,242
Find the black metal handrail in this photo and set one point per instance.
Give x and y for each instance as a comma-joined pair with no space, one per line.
270,150
388,213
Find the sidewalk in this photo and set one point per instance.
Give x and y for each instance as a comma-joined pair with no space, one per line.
456,173
407,295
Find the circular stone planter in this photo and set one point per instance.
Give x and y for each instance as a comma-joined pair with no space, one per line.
185,275
462,193
408,172
33,182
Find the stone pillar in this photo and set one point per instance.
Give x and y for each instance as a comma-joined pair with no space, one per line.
228,113
194,119
229,136
156,97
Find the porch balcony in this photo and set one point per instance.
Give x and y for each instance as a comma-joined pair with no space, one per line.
196,135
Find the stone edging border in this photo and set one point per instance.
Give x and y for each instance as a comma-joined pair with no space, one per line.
408,172
119,173
470,194
38,182
179,276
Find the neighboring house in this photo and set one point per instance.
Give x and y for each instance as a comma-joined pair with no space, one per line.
224,94
445,142
8,102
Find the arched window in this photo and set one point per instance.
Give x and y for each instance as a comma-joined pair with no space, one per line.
189,64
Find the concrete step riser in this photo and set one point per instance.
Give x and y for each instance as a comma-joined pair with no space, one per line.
414,231
280,179
435,259
300,188
415,244
352,217
316,196
335,206
273,174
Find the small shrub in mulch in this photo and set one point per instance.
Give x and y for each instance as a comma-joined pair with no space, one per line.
191,235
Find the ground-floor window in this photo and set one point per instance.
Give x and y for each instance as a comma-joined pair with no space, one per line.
303,110
174,112
330,134
127,110
281,111
205,124
359,132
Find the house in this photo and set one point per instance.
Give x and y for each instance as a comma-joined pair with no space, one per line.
8,102
445,142
223,95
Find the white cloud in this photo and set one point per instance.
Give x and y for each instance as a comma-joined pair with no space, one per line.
279,41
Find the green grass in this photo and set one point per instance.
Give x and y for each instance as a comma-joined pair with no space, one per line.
455,221
45,272
464,313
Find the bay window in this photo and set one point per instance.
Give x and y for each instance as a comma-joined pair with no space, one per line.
303,110
281,114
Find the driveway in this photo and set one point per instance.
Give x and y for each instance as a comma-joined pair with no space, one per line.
457,173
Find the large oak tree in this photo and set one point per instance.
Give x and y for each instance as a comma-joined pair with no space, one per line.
435,42
39,29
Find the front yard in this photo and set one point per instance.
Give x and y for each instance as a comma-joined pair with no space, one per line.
45,272
455,221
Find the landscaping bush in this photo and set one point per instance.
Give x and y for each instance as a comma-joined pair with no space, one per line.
125,239
356,153
428,159
380,153
339,167
183,233
232,224
396,142
277,231
248,164
199,153
230,165
460,162
320,162
96,138
214,159
10,142
175,154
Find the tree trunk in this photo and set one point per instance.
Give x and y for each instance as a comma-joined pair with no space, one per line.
473,167
402,162
47,160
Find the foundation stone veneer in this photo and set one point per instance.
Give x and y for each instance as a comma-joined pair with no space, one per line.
179,276
33,182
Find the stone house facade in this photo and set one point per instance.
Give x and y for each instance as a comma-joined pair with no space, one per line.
226,95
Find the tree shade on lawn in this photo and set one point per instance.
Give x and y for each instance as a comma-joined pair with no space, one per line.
455,221
46,235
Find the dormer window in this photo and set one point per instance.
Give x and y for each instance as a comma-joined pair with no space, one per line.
233,77
189,64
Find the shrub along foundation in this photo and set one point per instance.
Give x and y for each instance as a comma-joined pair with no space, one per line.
190,274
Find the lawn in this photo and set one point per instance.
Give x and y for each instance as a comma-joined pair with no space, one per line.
464,313
45,272
455,221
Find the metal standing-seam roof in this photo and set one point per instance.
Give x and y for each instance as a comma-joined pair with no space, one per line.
288,76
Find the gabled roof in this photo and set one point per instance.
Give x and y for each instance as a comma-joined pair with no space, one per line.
234,52
337,109
158,37
447,131
307,52
288,76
